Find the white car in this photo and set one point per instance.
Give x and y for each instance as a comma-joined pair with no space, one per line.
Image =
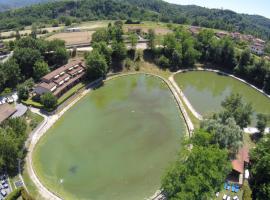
235,198
3,182
3,193
5,186
224,197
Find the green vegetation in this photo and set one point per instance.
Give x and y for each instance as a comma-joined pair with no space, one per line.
198,173
49,101
260,159
31,59
203,165
67,12
19,192
12,137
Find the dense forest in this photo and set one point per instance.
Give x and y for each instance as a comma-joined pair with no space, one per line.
136,9
11,4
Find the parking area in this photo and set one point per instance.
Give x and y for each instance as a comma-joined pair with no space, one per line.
9,99
5,188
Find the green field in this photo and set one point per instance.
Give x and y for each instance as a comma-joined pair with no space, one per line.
206,91
113,144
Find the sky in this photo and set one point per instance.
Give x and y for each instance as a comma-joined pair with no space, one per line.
260,7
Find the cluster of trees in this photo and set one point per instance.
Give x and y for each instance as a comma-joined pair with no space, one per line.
254,71
203,165
181,50
222,53
178,50
260,173
153,10
31,59
109,51
12,137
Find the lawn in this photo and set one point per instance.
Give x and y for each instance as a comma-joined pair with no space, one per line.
71,92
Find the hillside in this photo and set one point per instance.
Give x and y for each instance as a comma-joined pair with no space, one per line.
138,9
10,4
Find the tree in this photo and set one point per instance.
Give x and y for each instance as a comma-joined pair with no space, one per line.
197,175
103,49
260,169
23,92
261,122
227,134
34,31
119,51
55,44
41,68
133,39
247,193
204,40
26,58
245,57
233,106
12,73
49,101
151,39
96,65
60,56
163,62
100,35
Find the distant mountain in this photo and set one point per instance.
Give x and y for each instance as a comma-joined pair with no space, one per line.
154,10
11,4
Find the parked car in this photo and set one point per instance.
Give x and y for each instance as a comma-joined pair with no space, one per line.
3,193
5,186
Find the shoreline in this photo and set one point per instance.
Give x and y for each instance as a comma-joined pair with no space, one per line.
49,121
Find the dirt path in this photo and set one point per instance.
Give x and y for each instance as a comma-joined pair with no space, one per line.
190,107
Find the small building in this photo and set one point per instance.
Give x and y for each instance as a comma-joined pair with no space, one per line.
259,41
6,111
62,79
236,35
134,30
238,164
75,29
257,48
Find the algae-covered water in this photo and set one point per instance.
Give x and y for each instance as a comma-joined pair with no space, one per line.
115,143
206,91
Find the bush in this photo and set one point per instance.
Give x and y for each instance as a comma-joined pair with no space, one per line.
14,195
128,63
163,62
49,101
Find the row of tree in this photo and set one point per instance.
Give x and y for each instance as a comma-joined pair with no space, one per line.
109,51
182,50
148,10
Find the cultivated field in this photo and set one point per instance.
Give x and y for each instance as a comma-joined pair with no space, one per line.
73,37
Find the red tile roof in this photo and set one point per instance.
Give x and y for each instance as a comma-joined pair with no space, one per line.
241,158
6,111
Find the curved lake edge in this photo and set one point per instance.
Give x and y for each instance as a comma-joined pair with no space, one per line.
187,102
48,193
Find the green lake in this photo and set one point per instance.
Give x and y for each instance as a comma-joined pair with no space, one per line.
113,144
206,90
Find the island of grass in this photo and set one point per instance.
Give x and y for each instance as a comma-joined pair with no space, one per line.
113,144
